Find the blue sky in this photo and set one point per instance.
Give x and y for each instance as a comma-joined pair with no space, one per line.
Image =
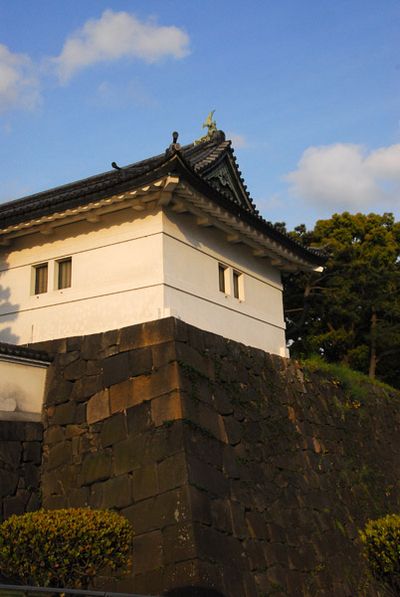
308,90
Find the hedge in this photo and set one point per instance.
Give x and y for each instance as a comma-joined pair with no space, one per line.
381,541
64,548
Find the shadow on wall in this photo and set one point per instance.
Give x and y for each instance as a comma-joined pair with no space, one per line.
193,592
8,310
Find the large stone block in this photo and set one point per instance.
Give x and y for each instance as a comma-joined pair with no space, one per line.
10,453
91,346
8,482
86,387
75,370
139,418
116,369
115,492
163,354
172,472
31,475
58,390
121,396
145,482
98,407
54,434
192,361
78,497
64,414
96,467
128,454
147,334
207,477
32,452
144,516
33,431
164,380
147,552
59,455
179,543
113,430
166,408
12,430
15,504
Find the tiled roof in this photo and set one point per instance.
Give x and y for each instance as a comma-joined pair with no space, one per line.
200,157
22,352
204,154
203,160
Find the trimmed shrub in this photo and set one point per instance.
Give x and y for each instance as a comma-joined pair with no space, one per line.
64,548
381,540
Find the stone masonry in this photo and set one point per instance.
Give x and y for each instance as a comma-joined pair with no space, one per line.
240,472
20,458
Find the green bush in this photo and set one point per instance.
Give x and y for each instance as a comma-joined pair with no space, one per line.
381,540
63,548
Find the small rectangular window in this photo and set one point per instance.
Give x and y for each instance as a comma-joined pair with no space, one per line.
236,284
222,274
64,271
41,276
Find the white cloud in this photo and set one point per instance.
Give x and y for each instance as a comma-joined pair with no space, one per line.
19,86
116,35
345,176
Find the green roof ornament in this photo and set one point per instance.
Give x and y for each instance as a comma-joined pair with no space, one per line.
211,125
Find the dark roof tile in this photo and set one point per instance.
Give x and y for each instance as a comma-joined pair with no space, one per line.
200,158
23,352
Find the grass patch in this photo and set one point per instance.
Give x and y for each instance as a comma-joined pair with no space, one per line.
356,384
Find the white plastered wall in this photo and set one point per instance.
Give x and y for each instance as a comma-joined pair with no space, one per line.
131,268
191,257
21,390
116,279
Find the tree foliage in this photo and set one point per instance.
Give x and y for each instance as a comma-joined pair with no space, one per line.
63,548
350,312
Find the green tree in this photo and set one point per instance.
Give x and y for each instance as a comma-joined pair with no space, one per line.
350,312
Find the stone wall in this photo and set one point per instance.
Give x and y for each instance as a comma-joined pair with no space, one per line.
20,457
239,471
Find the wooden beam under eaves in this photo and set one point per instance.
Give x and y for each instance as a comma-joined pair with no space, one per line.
179,207
204,221
46,230
5,242
277,262
93,218
260,253
233,238
168,189
138,206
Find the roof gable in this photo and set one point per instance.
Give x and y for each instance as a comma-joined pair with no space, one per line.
216,163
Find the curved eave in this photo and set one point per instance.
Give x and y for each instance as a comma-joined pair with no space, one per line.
158,185
292,251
